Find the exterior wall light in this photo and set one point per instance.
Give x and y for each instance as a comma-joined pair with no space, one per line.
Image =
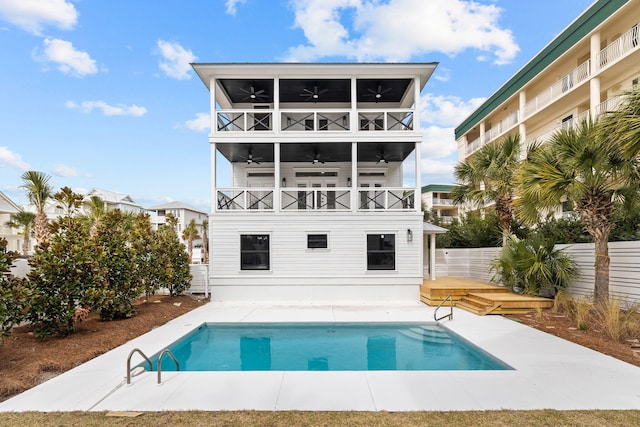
348,181
409,235
284,182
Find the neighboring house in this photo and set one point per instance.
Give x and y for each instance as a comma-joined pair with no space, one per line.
8,207
183,213
437,198
580,73
316,208
115,200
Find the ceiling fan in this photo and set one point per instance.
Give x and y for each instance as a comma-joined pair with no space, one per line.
253,95
250,159
383,157
376,95
313,95
317,158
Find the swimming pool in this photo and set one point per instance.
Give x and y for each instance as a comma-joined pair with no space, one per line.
326,347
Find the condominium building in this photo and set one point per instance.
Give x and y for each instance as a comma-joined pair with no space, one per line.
437,198
580,73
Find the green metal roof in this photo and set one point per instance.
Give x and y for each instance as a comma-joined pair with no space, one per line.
444,188
575,32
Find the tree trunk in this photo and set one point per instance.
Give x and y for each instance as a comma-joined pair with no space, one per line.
601,266
41,228
25,243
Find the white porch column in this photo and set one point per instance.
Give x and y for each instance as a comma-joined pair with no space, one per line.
482,131
432,256
276,177
214,184
212,107
594,83
276,105
354,177
418,165
353,117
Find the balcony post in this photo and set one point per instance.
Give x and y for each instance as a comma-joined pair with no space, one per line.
354,177
417,197
276,177
214,184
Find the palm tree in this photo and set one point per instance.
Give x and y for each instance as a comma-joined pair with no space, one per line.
623,124
205,241
488,176
96,210
579,165
23,220
171,221
38,192
190,233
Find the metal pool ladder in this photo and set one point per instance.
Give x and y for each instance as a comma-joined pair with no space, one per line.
162,353
450,315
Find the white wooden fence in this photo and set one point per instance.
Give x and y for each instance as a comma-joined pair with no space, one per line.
200,279
624,270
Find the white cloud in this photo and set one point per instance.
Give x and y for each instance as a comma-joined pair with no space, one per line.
33,15
201,123
107,110
446,110
175,60
67,59
12,160
232,6
437,171
438,142
397,30
68,172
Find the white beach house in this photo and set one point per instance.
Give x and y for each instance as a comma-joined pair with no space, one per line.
308,198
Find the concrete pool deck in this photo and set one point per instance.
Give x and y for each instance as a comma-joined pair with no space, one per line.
549,373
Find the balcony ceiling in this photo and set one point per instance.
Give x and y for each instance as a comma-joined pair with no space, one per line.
324,152
315,90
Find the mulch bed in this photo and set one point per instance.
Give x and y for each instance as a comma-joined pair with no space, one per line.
28,361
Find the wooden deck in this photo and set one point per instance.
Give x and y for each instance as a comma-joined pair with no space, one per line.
479,297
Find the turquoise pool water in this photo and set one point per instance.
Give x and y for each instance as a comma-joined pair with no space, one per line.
326,347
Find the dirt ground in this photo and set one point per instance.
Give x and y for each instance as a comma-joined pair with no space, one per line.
27,361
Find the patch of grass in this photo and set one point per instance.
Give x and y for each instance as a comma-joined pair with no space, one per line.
329,419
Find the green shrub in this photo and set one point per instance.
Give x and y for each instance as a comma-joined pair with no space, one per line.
533,265
15,295
67,278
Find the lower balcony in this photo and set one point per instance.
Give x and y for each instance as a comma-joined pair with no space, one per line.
332,199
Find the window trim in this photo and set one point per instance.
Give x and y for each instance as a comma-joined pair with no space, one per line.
318,249
268,251
381,251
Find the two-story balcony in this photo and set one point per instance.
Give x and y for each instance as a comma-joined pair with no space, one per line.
326,199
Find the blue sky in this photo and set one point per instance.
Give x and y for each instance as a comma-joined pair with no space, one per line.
100,93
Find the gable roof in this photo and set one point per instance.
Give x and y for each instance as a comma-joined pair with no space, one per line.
175,205
111,196
7,205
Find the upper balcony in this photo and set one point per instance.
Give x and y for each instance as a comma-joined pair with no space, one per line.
305,120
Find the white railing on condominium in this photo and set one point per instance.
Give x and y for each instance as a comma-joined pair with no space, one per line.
558,89
443,202
618,48
501,127
473,146
545,136
316,199
611,104
314,120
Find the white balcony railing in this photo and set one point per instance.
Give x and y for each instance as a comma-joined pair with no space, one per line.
618,48
325,120
443,202
385,120
314,120
316,199
611,104
558,89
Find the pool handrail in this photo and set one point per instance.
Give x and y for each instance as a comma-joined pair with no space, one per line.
136,350
162,353
450,315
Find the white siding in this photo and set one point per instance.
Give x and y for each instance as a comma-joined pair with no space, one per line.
292,264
